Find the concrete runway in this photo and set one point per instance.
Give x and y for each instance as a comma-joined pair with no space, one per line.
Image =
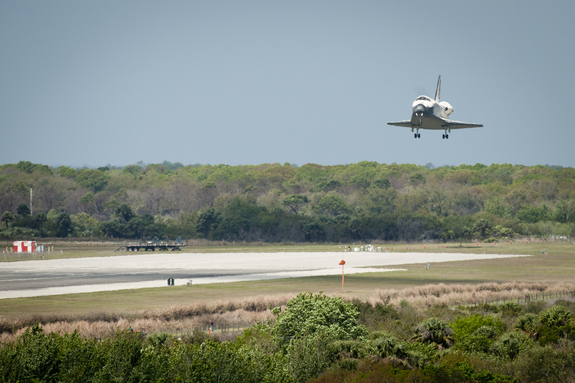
76,275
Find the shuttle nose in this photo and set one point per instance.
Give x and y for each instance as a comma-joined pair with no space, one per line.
419,110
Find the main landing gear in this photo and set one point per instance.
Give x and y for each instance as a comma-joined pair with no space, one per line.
445,136
417,135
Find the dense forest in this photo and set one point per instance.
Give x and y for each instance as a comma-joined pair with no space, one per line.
287,203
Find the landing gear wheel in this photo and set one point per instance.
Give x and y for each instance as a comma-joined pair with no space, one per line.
443,136
415,135
418,135
446,136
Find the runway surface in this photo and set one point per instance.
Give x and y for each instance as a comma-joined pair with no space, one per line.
77,275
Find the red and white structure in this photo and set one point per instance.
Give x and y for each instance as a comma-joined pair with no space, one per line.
24,246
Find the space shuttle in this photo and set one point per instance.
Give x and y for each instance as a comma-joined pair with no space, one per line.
428,113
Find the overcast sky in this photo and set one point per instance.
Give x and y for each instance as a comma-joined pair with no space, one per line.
90,83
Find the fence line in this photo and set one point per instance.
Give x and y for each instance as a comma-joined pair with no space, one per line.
222,329
526,299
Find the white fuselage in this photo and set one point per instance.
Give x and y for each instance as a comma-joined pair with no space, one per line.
428,114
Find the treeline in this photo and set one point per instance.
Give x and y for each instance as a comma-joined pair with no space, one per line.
273,202
321,339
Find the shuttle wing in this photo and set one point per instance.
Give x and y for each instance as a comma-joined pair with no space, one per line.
460,125
405,123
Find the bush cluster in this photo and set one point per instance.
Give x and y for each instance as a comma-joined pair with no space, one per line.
321,339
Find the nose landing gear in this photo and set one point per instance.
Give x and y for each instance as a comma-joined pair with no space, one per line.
445,136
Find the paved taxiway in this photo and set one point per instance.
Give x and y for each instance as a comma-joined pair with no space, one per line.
65,276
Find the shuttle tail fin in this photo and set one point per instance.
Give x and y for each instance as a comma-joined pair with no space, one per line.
438,89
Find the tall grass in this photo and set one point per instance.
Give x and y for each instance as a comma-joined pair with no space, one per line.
440,294
231,313
247,311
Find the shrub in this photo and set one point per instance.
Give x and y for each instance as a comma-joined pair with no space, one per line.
511,344
356,349
547,335
308,314
436,331
555,316
476,333
465,326
527,323
546,365
568,305
385,345
462,371
510,309
370,315
421,354
479,341
534,307
307,357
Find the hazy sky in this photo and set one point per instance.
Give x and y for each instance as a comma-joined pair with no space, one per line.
249,82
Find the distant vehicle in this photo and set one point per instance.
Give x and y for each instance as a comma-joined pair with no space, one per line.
433,115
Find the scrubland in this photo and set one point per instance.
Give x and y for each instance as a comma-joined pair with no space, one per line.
241,313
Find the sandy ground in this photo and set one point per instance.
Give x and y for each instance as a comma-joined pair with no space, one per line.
65,276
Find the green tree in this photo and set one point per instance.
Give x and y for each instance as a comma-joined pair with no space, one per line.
294,202
482,227
23,210
84,225
87,198
533,214
67,172
208,221
29,167
92,179
436,331
41,218
124,212
308,357
308,315
555,316
7,217
64,224
417,179
142,226
497,207
314,232
476,333
241,219
511,344
527,323
381,183
564,211
331,205
132,169
327,185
